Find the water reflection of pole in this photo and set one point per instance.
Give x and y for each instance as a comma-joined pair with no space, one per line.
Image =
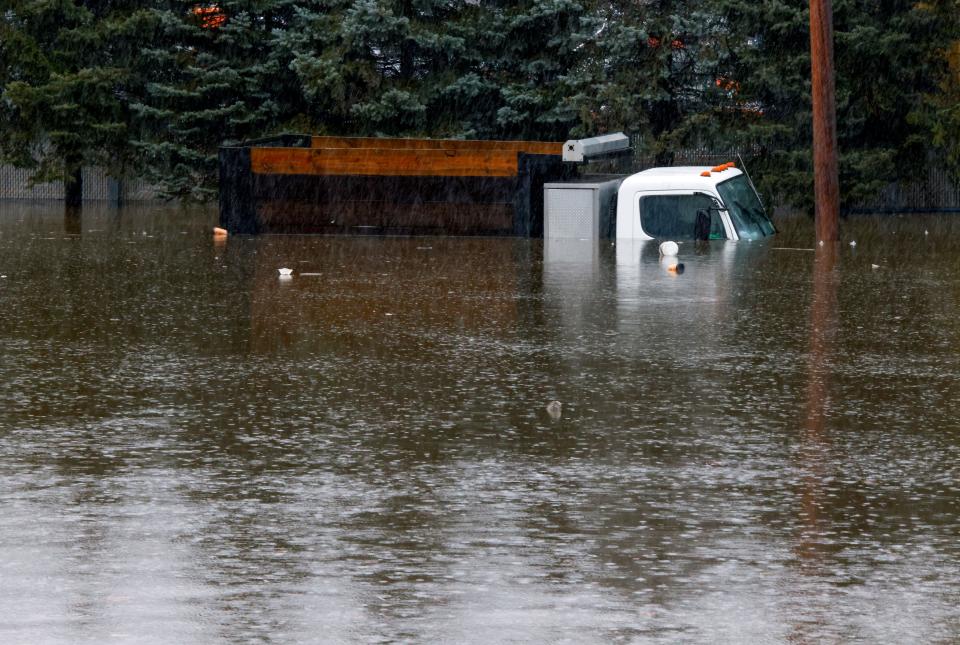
825,174
823,323
813,452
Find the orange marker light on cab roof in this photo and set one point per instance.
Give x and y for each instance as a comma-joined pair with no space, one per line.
723,166
705,173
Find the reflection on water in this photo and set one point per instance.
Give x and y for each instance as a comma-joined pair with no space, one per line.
813,454
762,449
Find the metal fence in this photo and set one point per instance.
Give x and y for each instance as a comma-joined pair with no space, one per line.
937,192
97,186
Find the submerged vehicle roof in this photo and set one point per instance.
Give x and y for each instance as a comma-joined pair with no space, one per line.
680,178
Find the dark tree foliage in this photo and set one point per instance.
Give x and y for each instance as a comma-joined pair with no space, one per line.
217,74
67,71
890,60
376,67
943,106
155,86
534,51
651,69
436,67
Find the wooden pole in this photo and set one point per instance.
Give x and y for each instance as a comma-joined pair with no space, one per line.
825,173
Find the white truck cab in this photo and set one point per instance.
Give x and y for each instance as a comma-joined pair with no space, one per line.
674,203
671,203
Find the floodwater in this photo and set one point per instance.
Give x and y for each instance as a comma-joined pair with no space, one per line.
764,449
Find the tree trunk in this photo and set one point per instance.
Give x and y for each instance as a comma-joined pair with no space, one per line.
73,186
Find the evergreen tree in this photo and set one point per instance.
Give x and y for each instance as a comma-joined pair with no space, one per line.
217,74
943,113
157,85
65,72
376,66
889,60
438,67
651,70
536,51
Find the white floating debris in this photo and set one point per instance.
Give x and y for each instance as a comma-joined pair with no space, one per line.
555,409
874,266
387,314
285,271
926,232
853,243
307,273
821,242
669,248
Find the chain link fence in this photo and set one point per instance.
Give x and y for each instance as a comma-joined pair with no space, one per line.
936,193
97,186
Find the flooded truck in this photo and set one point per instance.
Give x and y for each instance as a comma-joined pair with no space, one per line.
675,203
375,185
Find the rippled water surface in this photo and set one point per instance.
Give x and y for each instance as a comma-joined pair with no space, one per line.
763,449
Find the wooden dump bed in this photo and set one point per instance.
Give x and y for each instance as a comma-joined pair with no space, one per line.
303,184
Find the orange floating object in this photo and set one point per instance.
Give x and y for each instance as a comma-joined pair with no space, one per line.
219,232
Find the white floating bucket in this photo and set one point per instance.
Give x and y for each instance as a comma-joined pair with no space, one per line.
669,248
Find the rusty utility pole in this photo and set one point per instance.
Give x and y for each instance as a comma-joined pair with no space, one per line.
825,173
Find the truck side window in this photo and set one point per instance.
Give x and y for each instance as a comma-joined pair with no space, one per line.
717,232
675,216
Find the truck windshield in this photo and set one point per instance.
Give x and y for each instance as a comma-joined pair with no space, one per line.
745,209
